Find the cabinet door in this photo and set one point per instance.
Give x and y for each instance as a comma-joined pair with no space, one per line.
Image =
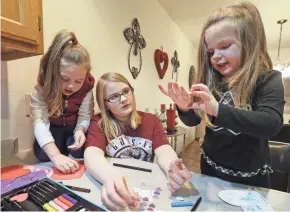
21,28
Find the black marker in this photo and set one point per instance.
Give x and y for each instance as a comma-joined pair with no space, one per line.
48,184
28,205
16,206
46,188
39,194
37,200
196,204
132,167
78,208
6,205
44,191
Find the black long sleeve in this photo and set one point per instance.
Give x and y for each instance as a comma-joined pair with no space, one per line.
266,117
239,138
189,118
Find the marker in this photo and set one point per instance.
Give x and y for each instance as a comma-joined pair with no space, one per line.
132,167
69,198
49,184
86,190
16,206
6,205
196,204
40,189
65,201
41,202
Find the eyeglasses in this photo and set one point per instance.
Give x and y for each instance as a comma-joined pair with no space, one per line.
117,97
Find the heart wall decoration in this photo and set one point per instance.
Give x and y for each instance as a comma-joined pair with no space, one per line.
161,57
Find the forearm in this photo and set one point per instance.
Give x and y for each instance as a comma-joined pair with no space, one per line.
189,118
103,171
266,122
165,154
51,150
85,112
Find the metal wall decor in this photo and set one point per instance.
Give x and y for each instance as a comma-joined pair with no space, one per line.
175,63
137,42
161,57
191,76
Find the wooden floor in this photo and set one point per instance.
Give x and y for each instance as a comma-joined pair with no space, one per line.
191,157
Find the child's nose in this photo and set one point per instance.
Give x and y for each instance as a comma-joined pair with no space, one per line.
123,98
71,85
217,56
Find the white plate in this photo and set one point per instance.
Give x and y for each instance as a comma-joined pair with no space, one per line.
239,197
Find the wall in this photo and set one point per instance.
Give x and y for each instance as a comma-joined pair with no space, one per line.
284,55
99,27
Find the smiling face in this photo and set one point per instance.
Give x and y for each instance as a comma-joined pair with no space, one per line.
72,79
119,100
223,46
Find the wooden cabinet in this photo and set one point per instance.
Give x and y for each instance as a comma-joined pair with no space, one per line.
21,29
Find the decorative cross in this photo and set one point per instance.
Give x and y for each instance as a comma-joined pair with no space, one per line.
136,40
175,63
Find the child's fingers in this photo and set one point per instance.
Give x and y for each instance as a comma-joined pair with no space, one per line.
171,92
175,165
71,166
178,163
176,90
163,90
76,164
73,146
66,168
175,185
82,141
109,199
201,94
177,177
170,188
201,87
135,196
61,169
186,175
122,189
185,93
197,106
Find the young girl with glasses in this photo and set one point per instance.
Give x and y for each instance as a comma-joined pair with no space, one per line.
123,132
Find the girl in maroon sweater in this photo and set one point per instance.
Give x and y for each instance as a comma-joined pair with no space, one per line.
62,102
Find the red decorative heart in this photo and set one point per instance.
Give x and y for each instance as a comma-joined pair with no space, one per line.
161,57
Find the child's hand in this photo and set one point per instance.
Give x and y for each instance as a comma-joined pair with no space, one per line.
177,175
178,94
80,139
207,103
116,194
64,164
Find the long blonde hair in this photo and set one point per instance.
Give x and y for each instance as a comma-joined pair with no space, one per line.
111,126
64,51
246,20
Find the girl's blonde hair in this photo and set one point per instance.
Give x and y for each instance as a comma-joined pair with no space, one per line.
64,51
254,58
110,125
